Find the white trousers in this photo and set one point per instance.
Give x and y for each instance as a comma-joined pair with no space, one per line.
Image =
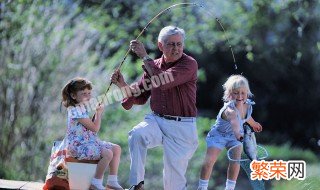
179,140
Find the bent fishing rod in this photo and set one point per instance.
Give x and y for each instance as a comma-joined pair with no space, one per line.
153,19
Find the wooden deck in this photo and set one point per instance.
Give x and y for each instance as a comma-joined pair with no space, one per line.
25,185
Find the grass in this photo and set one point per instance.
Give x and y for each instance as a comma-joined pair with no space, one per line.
286,152
311,182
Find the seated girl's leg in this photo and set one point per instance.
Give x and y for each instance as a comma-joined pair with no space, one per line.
114,164
112,181
103,163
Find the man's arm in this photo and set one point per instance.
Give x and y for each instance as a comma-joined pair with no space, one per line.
134,94
139,96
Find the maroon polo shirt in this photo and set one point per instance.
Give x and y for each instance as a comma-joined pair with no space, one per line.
177,97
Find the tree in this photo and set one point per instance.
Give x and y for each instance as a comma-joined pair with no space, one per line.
42,45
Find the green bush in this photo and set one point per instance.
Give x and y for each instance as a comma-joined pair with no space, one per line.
286,152
310,183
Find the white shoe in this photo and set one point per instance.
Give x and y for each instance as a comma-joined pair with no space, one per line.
109,187
97,187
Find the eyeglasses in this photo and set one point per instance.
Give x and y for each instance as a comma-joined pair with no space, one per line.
173,44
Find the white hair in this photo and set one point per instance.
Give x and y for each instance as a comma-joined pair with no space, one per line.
169,31
234,82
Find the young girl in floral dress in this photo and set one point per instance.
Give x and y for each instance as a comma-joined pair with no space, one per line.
83,142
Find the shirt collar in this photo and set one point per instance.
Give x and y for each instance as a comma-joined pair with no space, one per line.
170,64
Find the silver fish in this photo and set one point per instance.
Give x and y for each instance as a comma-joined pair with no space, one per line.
249,142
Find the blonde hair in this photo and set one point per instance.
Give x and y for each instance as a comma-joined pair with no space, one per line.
72,87
234,82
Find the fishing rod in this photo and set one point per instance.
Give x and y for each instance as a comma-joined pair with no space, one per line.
153,19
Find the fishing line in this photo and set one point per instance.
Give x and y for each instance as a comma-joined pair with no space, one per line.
178,5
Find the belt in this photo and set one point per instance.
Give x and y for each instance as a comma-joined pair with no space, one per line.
175,118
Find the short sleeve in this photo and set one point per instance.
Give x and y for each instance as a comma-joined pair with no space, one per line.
250,102
77,112
231,104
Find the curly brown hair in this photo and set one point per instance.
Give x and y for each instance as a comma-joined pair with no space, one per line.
72,87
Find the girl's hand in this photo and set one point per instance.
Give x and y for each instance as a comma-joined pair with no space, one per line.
239,136
100,108
117,78
257,127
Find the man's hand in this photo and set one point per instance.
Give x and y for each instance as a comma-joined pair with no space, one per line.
117,79
138,48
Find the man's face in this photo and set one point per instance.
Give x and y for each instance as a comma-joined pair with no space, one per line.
172,48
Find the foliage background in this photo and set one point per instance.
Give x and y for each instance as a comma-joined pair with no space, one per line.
276,45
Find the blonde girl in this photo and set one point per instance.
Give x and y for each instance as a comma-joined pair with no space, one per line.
228,130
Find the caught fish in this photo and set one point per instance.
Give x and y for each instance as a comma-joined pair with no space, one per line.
249,142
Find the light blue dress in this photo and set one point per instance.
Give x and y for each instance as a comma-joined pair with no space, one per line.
221,134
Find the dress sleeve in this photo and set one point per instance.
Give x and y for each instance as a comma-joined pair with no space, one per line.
250,102
77,112
231,104
250,109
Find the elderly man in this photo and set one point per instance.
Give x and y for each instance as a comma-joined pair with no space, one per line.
172,122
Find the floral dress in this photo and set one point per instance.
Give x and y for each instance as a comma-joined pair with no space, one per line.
83,144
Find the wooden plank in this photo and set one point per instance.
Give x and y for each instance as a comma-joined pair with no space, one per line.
9,184
70,159
33,186
26,185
